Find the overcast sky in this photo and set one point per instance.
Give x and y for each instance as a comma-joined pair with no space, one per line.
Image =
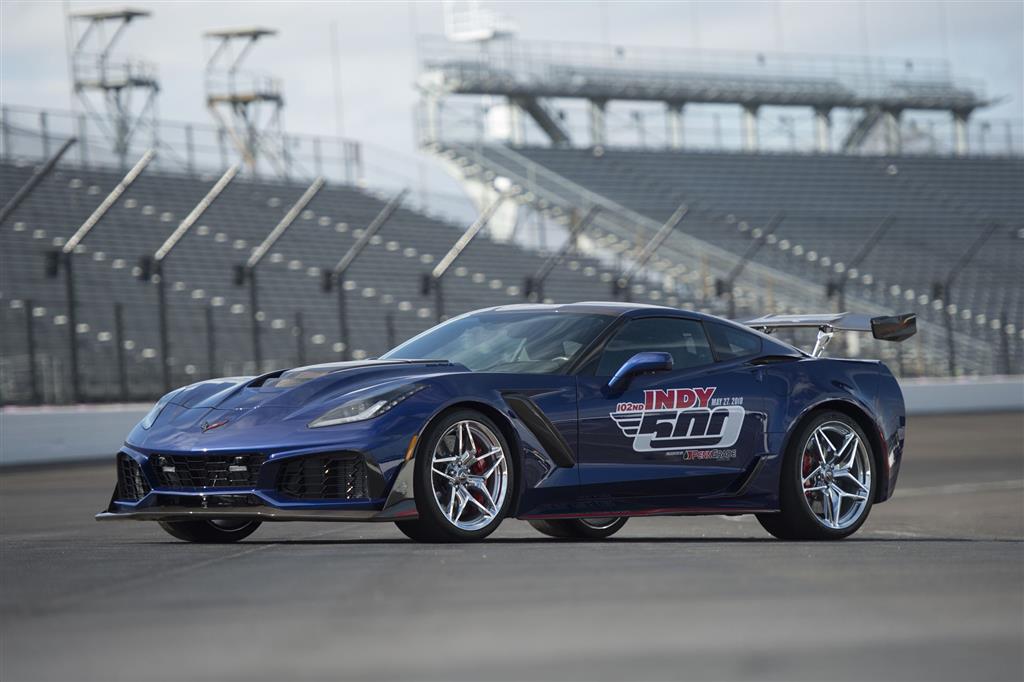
981,40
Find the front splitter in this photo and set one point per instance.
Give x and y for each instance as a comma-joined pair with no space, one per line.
403,511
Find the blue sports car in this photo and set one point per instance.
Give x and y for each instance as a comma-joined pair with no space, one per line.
572,417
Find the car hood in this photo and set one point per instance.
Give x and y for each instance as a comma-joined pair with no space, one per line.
305,386
272,410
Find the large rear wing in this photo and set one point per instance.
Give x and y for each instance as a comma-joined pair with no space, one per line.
885,328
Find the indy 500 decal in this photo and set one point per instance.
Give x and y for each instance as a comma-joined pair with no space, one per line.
681,419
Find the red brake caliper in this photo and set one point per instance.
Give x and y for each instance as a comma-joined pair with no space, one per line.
807,466
478,468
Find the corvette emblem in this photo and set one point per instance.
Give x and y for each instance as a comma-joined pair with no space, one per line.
209,426
679,419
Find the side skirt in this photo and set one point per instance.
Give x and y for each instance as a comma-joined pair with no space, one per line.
662,511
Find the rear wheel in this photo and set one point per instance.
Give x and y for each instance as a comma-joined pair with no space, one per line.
596,528
827,485
464,480
214,530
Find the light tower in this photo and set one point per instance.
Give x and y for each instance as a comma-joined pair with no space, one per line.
125,89
247,106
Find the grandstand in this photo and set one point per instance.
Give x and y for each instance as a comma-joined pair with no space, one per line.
840,223
847,223
830,207
209,315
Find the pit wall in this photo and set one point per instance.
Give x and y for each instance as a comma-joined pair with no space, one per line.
40,435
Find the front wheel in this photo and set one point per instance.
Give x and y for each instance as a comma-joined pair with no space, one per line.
827,485
215,530
597,528
464,480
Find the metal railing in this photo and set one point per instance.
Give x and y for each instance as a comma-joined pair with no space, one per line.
532,61
718,127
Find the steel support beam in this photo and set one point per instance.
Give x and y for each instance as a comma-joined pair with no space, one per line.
247,272
823,130
750,132
155,268
34,181
65,259
623,283
960,141
674,121
336,277
534,286
433,281
893,134
598,125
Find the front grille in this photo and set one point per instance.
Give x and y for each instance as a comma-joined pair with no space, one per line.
220,471
131,484
324,477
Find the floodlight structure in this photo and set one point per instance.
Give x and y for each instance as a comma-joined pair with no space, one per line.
126,88
246,106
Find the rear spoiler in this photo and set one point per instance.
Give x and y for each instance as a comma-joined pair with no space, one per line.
885,328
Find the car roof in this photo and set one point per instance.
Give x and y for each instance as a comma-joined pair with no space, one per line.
621,308
614,308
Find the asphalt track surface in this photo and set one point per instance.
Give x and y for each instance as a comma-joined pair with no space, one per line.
932,588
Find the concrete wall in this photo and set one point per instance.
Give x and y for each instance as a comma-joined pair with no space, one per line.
31,435
981,394
54,433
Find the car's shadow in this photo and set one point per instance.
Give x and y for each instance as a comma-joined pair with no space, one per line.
609,541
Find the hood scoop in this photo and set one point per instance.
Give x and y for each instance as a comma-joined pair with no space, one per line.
306,385
293,378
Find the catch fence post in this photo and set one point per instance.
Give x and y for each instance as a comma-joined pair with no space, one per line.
122,367
211,343
30,339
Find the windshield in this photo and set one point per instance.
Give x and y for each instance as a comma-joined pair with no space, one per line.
520,341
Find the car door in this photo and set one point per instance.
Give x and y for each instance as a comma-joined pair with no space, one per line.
678,434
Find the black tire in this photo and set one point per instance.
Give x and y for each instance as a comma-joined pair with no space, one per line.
414,530
210,531
432,525
796,520
580,529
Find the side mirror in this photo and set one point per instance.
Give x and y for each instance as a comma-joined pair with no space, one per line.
641,363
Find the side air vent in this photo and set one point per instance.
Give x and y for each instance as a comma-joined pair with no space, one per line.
339,476
131,484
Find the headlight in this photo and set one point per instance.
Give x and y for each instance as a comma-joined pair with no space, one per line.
365,407
151,416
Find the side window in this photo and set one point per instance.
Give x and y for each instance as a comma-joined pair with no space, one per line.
684,339
731,343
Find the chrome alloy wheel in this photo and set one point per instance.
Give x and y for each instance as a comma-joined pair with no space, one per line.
835,472
600,523
469,475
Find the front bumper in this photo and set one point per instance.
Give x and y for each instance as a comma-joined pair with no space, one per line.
255,502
